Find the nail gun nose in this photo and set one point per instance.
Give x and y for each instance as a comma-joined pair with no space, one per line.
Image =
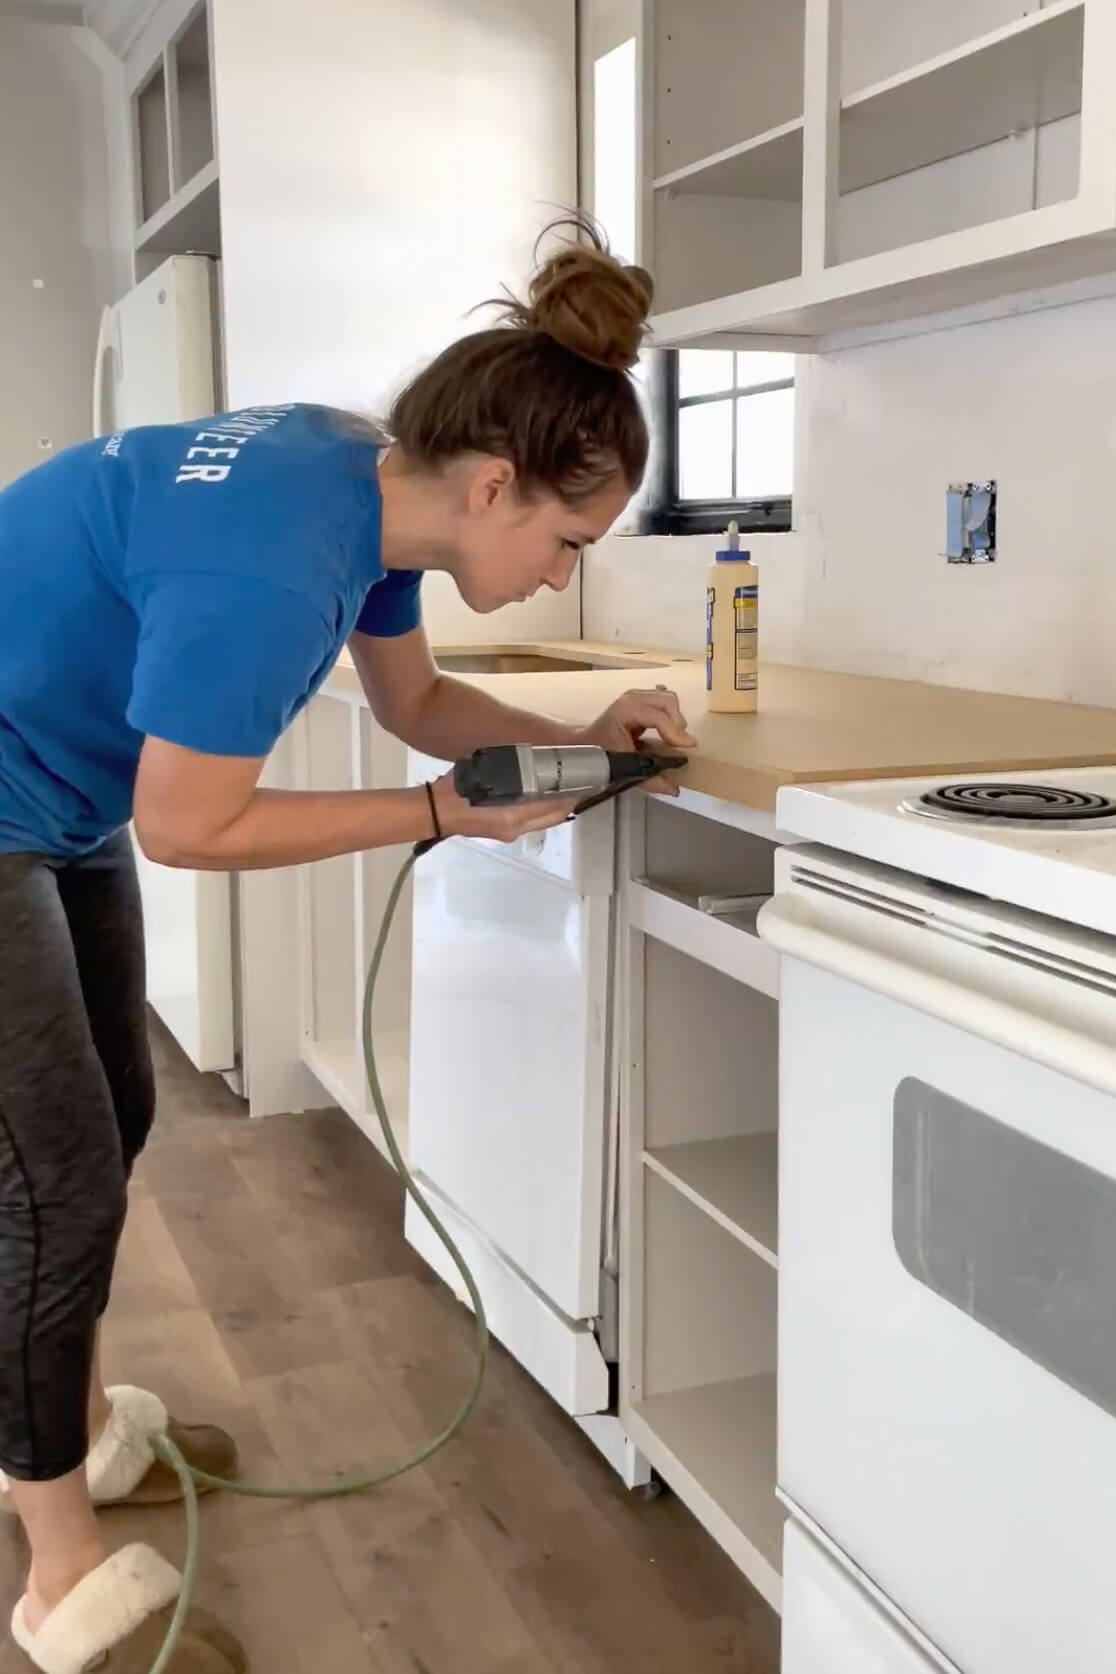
632,767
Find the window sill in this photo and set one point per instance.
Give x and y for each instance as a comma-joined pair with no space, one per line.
707,517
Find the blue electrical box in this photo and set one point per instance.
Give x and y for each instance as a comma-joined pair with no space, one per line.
971,523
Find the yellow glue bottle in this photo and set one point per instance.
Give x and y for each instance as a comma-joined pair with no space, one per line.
731,631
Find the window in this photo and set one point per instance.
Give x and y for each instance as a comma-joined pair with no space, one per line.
728,417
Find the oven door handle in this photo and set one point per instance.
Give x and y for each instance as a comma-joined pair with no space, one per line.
1060,1019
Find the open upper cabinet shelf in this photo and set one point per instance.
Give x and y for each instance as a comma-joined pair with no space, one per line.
891,159
766,166
188,222
174,148
1008,82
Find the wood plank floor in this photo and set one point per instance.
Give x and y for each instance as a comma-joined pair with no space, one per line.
265,1283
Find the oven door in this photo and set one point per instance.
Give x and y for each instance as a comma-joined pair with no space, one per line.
947,1286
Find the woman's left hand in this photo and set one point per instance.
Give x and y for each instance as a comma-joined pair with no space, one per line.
625,724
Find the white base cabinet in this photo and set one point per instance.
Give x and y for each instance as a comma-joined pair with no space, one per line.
336,745
188,942
699,1196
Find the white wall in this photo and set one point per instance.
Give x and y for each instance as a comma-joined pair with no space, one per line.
62,197
1030,401
650,590
384,168
385,165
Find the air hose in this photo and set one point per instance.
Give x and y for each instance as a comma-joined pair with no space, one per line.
190,1478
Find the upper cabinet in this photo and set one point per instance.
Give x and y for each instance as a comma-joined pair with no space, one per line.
174,149
811,167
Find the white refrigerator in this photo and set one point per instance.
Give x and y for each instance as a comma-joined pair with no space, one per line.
157,362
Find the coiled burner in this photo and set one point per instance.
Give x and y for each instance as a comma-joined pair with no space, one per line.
1034,803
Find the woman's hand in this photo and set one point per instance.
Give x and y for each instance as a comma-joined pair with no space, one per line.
625,724
458,818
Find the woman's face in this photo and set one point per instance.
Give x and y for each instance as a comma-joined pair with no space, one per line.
508,548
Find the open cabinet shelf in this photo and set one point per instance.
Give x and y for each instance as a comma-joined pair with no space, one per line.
193,133
151,132
1004,83
734,1181
692,864
971,161
178,206
766,166
705,1415
190,222
719,1439
1016,78
699,1182
727,941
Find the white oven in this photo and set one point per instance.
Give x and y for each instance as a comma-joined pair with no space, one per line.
831,1622
947,1256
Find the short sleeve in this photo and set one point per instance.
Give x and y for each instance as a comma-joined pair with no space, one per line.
223,663
393,606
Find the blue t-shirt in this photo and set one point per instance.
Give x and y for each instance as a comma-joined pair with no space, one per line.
192,581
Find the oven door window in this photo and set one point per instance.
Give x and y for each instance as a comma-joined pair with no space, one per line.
1013,1233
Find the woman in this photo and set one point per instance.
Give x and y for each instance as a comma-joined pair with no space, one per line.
169,599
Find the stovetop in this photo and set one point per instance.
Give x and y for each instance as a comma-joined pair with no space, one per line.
1046,843
1006,805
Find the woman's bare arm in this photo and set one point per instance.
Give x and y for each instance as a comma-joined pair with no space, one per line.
207,813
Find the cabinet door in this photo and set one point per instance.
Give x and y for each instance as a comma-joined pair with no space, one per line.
508,1062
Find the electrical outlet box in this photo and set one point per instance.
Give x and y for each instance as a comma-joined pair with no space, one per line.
971,523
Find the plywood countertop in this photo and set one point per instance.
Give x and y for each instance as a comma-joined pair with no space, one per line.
813,726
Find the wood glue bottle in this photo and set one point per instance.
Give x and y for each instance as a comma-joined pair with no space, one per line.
731,631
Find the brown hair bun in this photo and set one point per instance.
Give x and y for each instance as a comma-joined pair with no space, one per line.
547,388
586,300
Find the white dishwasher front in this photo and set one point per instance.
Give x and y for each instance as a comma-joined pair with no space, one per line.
509,1083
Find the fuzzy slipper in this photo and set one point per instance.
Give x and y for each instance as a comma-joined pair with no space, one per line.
116,1620
122,1468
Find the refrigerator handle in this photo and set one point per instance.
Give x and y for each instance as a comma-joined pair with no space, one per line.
103,343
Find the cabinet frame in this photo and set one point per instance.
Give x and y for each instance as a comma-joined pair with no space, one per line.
188,220
697,936
987,269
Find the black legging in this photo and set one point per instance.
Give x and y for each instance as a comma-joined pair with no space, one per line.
77,1098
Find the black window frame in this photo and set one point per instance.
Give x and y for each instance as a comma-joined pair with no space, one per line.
667,513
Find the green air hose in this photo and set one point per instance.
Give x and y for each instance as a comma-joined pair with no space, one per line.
190,1478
